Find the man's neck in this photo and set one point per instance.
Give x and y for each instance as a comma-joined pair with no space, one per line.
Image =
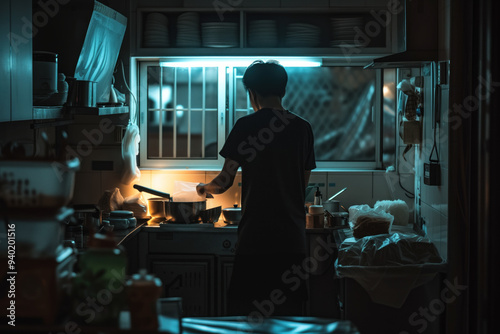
271,102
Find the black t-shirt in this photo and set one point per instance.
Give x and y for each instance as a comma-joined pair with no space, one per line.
274,148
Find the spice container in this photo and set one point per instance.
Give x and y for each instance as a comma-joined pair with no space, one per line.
316,217
143,292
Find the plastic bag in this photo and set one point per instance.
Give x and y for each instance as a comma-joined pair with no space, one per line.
389,267
366,221
137,204
186,192
130,149
111,200
383,250
398,208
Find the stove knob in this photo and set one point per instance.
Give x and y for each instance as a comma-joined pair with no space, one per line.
226,244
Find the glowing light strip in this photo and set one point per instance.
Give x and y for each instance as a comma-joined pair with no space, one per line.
238,61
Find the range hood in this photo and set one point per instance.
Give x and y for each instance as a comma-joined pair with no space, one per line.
417,36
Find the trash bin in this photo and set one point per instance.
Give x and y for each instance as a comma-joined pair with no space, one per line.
391,283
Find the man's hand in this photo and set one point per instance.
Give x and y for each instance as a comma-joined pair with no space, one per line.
200,189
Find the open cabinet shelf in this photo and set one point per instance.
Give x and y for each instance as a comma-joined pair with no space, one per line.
369,38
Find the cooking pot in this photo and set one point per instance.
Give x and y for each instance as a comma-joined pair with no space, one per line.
174,212
232,215
332,206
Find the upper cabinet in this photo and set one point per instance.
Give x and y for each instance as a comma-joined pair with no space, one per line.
16,33
338,29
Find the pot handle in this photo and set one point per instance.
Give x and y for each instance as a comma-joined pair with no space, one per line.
151,191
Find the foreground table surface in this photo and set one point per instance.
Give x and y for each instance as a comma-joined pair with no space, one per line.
267,325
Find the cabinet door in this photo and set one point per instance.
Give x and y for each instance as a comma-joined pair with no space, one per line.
225,271
5,63
189,277
22,60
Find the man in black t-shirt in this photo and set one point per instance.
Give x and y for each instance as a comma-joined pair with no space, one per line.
275,150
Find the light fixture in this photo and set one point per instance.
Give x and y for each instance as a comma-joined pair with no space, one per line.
238,61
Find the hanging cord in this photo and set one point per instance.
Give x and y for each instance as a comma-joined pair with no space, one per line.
136,114
408,193
434,148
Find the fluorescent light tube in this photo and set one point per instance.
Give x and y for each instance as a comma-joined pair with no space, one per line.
238,61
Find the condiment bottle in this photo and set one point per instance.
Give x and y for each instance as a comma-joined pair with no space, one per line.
100,286
143,291
318,197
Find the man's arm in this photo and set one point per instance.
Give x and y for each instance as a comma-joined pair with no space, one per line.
221,182
307,174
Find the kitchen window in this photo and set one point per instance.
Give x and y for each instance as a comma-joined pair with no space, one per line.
188,109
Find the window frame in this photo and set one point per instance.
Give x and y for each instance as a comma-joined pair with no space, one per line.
226,114
178,163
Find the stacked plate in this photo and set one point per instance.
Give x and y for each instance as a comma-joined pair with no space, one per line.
219,34
343,30
156,31
302,35
188,30
262,33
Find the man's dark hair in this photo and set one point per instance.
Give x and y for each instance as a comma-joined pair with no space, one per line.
266,78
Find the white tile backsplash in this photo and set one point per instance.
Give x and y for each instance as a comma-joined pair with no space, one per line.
359,187
165,180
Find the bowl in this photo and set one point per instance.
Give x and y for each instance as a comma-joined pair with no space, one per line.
232,216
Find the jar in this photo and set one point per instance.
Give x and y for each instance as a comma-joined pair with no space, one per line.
44,73
99,289
143,293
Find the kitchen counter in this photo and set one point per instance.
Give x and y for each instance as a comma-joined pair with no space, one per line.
121,236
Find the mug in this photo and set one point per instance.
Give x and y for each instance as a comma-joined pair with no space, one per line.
82,93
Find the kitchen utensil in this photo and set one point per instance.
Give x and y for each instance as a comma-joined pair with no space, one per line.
30,184
152,191
159,193
337,194
232,215
211,216
82,93
176,212
337,218
173,212
332,206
